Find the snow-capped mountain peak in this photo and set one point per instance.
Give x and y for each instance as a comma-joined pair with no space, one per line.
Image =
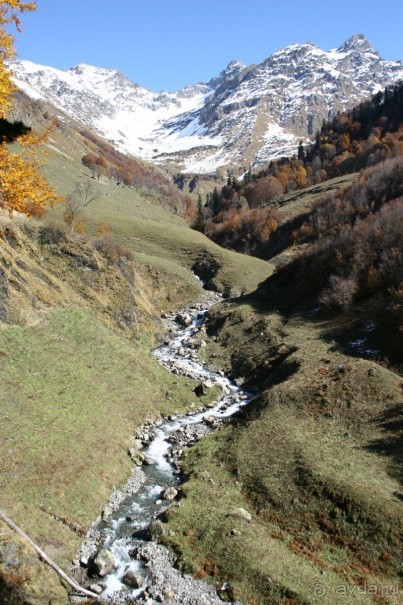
233,68
357,43
244,116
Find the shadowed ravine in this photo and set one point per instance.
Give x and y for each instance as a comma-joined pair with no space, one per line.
130,525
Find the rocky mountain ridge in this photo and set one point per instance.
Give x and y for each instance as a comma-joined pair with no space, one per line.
246,116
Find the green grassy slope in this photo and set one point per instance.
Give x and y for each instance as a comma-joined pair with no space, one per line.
77,377
316,461
154,233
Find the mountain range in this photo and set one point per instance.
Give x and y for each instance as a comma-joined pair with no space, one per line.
245,116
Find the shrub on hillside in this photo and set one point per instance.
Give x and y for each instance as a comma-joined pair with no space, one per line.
111,249
334,212
52,233
339,294
385,182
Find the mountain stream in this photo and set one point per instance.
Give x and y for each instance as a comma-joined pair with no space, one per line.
144,570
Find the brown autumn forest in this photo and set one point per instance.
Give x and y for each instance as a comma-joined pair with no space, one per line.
350,241
243,216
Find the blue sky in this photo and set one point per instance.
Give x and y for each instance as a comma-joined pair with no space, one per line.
167,44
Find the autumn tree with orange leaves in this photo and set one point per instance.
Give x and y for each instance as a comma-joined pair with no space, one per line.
22,188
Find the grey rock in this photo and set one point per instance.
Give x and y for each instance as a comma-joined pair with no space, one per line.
103,563
184,319
95,588
170,493
212,421
132,579
241,512
156,531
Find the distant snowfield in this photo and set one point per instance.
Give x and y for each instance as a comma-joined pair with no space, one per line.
144,133
136,120
258,112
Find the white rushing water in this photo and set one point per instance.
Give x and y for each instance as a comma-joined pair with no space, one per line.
123,532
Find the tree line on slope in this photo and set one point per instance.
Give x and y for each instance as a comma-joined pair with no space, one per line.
355,240
352,258
242,215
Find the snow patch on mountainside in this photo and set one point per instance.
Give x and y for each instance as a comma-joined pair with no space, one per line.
244,116
127,114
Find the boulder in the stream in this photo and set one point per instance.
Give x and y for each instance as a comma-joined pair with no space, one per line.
141,534
184,319
156,531
170,493
212,421
102,563
133,579
135,455
149,460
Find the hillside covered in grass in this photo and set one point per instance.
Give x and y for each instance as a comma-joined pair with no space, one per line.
296,500
316,458
79,316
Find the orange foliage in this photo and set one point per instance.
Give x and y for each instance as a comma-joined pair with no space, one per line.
9,14
22,188
102,229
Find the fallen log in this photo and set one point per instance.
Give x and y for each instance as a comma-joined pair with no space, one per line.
44,557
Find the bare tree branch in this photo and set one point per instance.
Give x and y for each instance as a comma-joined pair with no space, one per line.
44,557
83,194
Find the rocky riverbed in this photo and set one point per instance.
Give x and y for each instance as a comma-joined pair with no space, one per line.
121,558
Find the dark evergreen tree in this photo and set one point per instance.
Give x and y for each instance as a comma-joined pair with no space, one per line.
248,177
215,201
192,184
199,207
